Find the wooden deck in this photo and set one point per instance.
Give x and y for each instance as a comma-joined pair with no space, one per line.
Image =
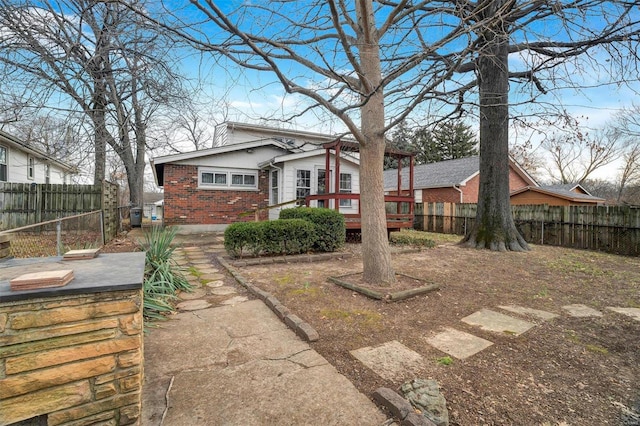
399,210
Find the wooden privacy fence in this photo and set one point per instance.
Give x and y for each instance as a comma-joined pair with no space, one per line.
614,229
23,204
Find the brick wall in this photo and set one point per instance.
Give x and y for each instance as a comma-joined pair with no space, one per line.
470,190
445,195
186,204
75,358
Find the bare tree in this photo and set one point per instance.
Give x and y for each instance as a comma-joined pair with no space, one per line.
552,60
626,125
372,63
101,59
63,140
577,153
363,61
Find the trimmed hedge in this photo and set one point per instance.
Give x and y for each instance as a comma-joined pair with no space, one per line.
411,238
283,236
330,228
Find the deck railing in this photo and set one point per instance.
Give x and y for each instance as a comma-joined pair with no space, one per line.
399,208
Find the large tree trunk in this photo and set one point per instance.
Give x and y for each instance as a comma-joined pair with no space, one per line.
376,254
494,227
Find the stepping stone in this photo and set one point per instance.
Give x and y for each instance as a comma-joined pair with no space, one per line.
223,291
215,284
543,315
500,323
193,305
391,360
191,248
581,311
235,300
212,277
630,312
202,261
197,293
458,343
207,270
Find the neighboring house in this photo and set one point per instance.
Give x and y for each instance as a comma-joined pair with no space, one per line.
20,163
452,181
152,205
555,195
250,168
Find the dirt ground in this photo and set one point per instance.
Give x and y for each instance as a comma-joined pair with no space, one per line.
567,371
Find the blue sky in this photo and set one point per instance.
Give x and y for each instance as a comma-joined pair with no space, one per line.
254,96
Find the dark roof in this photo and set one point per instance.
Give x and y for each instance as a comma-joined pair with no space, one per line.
561,192
567,187
435,175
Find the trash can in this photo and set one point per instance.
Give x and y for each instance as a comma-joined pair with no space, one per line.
136,217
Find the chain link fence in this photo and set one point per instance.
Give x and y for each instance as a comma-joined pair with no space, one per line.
56,237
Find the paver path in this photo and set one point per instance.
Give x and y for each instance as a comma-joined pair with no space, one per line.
238,364
387,360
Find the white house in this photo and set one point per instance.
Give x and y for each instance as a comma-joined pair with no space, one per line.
251,168
20,163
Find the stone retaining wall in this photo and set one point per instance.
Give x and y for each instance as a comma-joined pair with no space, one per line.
75,358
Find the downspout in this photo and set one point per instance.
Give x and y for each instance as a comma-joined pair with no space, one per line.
457,188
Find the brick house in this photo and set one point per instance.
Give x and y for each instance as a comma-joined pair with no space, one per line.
453,181
251,167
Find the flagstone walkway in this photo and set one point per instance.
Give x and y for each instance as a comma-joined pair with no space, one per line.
392,359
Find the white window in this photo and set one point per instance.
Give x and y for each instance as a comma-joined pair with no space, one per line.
30,168
227,179
3,164
345,188
303,183
47,177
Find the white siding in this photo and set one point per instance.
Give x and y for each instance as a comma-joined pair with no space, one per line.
237,159
304,142
17,168
313,164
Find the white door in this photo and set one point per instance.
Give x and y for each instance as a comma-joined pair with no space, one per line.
274,194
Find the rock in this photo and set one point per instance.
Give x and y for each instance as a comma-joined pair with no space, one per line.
193,305
425,396
397,405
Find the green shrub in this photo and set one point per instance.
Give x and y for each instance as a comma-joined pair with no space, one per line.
411,238
329,226
243,237
162,276
290,236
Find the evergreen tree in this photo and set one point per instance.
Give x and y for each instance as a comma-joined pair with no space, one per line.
401,140
445,141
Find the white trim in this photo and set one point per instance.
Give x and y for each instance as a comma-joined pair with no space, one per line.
217,150
31,167
228,173
307,154
6,163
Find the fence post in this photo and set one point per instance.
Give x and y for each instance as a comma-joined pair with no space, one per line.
59,237
102,227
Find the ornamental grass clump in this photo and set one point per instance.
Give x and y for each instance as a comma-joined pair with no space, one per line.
162,275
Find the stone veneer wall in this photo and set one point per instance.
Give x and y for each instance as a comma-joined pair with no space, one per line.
77,359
